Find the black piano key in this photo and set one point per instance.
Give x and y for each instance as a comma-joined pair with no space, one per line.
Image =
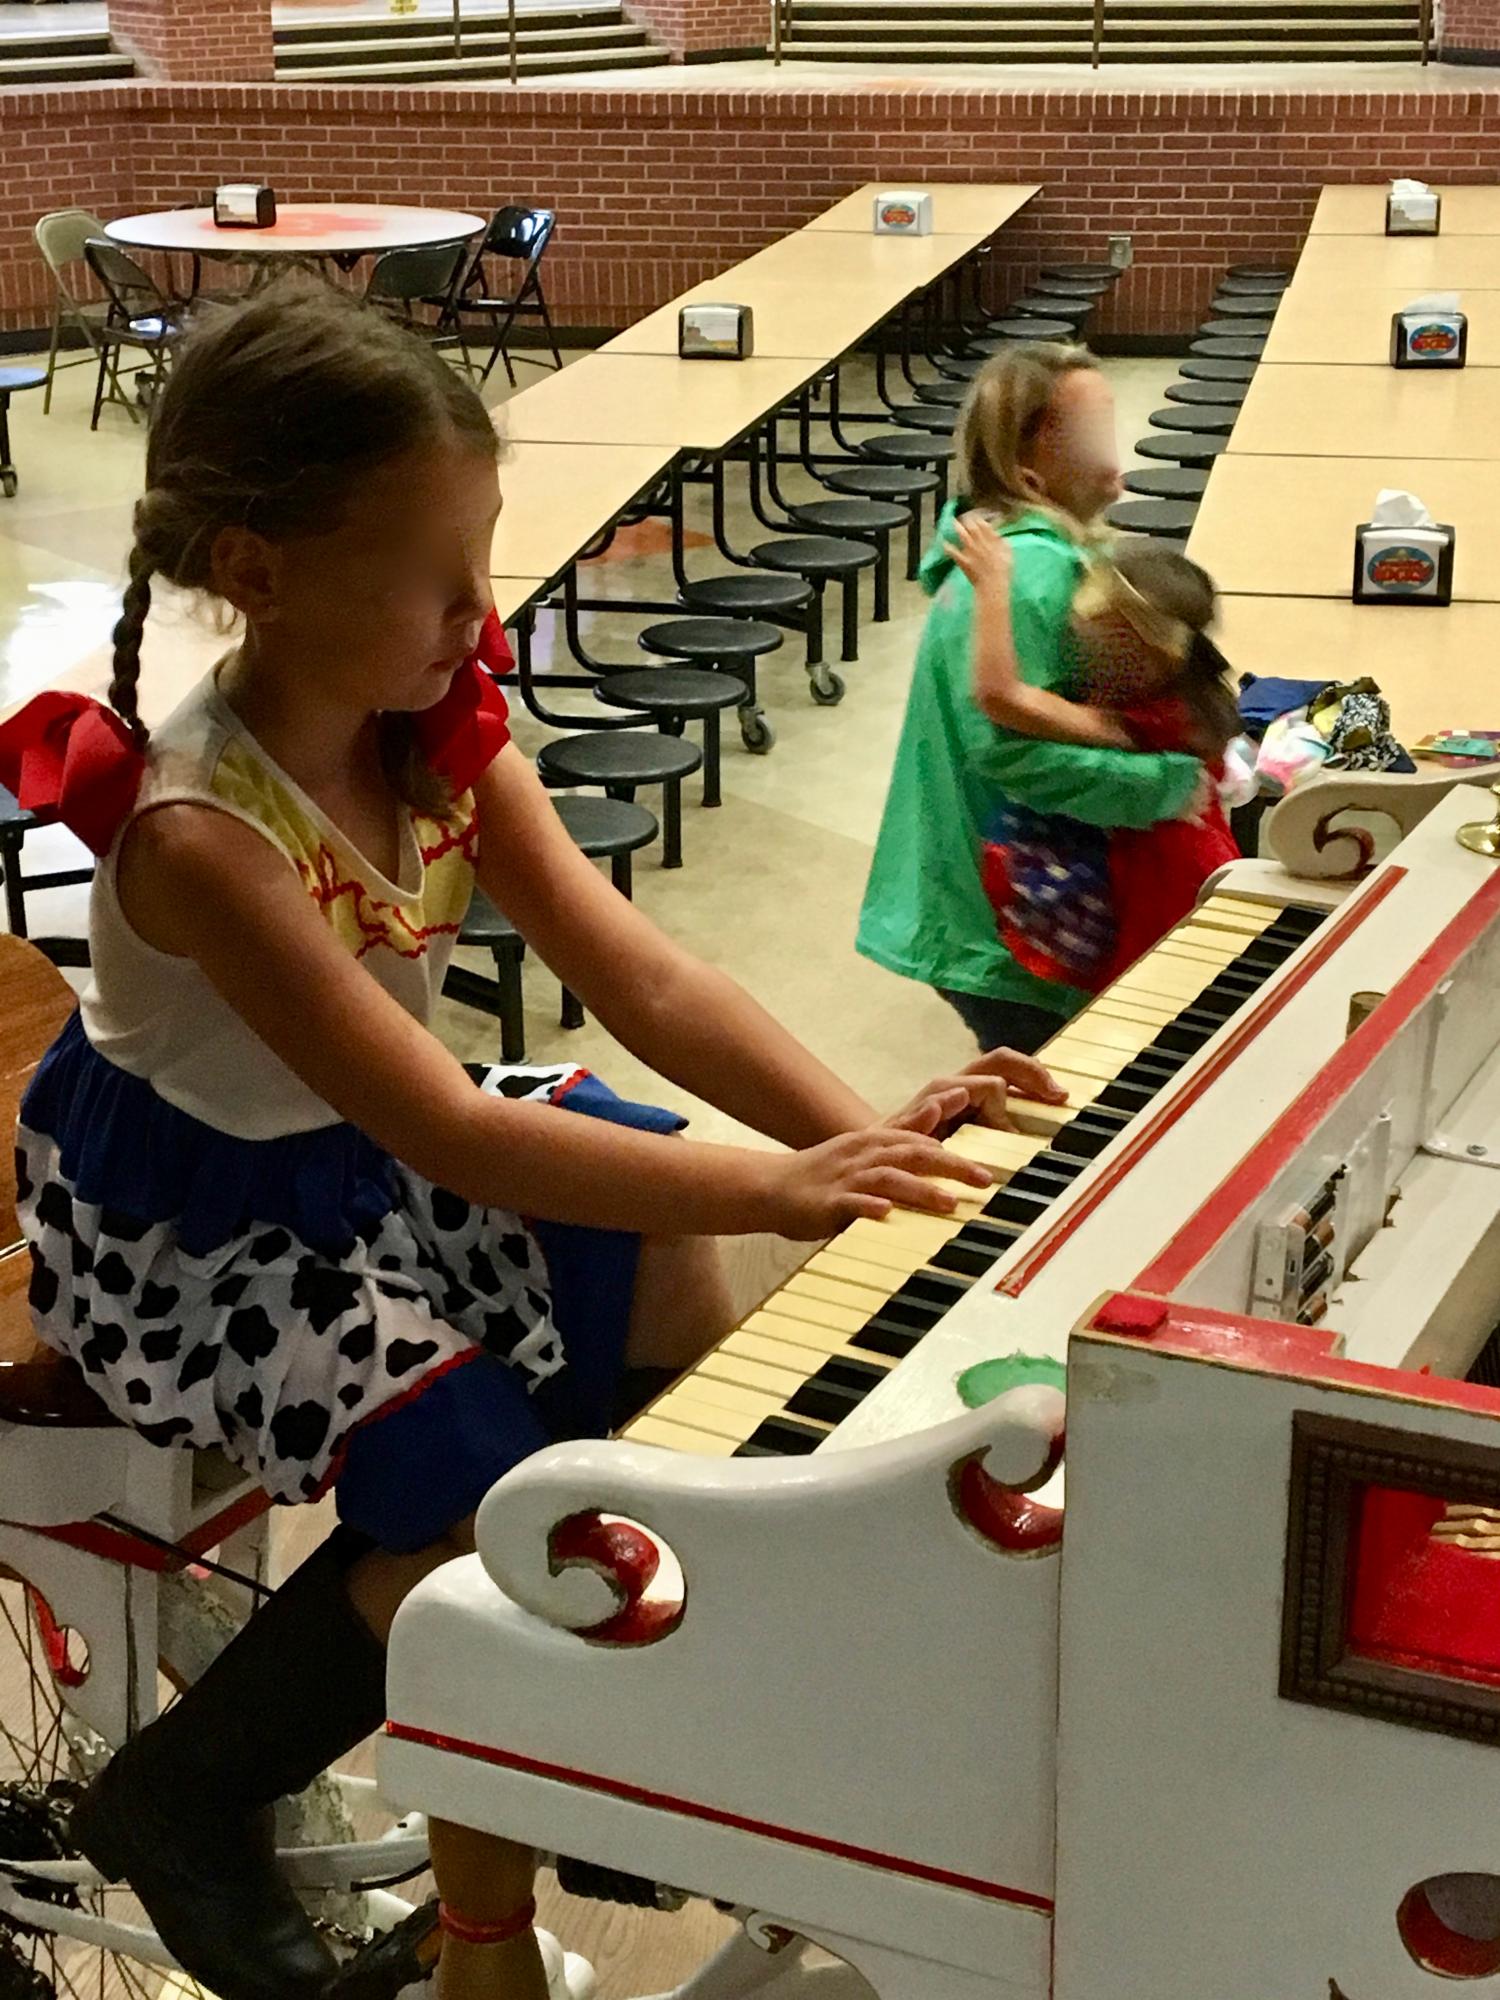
882,1336
1020,1206
1087,1137
781,1437
933,1288
1295,923
839,1386
1129,1094
957,1256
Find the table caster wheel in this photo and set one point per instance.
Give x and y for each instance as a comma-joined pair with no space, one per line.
825,686
8,483
756,733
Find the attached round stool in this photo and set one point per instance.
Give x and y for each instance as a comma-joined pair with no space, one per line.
730,646
756,593
939,418
1047,305
906,483
822,559
12,382
1212,420
1153,517
1268,273
1233,329
609,830
1181,448
1239,305
487,930
675,696
1107,274
950,395
1177,482
1072,288
1219,395
1023,327
618,762
1253,288
873,520
1206,369
909,448
1208,349
961,367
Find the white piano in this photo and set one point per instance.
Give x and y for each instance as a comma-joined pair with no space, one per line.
820,1641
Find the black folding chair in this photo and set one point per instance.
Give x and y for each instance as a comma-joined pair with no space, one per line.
139,315
519,235
403,280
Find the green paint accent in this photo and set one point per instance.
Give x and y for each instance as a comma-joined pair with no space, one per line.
988,1379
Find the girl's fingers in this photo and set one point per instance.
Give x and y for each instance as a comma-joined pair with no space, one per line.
911,1191
1023,1073
861,1207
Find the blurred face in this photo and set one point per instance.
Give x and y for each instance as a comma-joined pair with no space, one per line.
387,606
1074,459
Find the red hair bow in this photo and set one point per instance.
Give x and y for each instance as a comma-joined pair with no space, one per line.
68,758
465,732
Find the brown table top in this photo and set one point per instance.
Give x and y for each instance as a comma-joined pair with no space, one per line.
1434,667
1354,326
1284,527
652,399
1360,211
1429,263
957,207
892,266
1324,410
514,593
558,496
792,319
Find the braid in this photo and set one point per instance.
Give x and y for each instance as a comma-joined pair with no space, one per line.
127,637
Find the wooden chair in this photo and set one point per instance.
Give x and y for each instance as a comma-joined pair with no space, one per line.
36,1385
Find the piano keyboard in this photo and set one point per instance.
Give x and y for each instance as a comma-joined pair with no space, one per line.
785,1379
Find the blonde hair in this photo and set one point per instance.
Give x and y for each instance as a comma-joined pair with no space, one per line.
272,416
1006,405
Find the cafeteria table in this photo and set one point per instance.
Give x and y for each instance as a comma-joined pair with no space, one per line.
560,497
1323,410
1330,264
958,208
1435,667
792,320
897,266
303,231
1360,211
1353,326
654,399
1284,527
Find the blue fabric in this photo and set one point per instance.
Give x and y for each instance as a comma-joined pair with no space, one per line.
124,1147
1265,696
419,1469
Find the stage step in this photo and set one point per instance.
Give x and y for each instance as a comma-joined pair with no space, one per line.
549,42
1033,31
60,58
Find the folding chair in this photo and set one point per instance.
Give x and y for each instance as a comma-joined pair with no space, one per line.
428,276
140,315
520,235
61,238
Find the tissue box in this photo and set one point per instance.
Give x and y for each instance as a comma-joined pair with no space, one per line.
715,333
1415,214
898,214
1403,565
1429,339
244,205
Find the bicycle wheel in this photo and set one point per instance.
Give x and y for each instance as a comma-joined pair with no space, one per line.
46,1754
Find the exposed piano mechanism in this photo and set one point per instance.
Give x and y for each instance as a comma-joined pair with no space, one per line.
817,1640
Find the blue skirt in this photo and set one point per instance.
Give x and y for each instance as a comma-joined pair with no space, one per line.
309,1304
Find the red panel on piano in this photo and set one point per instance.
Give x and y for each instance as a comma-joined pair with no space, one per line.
1418,1603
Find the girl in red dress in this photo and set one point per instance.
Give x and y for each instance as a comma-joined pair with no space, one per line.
1075,905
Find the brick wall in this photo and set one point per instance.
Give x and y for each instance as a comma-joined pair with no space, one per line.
658,189
695,29
197,41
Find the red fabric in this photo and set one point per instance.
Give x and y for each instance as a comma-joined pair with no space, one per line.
1155,872
68,758
466,731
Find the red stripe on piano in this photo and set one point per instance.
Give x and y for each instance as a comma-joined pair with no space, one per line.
1291,1131
641,1795
1155,1125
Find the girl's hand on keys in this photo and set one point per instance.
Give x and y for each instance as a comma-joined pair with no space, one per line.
978,1094
815,1193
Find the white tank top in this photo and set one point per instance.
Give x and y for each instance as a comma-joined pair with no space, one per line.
159,1018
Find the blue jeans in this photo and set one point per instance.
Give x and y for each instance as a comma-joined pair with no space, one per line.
1005,1024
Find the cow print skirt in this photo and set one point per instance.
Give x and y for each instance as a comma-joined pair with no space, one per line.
291,1332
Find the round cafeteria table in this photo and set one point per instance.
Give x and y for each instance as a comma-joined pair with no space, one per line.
302,232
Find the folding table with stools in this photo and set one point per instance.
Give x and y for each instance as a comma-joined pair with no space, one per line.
12,382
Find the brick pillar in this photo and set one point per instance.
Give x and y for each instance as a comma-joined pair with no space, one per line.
196,41
1471,31
693,30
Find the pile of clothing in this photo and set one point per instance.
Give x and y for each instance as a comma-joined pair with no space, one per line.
1304,727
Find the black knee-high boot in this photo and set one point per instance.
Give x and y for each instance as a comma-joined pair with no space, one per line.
183,1812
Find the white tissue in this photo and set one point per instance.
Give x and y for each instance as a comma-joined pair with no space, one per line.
1405,189
1395,509
1435,302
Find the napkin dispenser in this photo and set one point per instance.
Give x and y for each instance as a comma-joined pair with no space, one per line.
903,214
1412,209
715,333
1403,556
1434,335
244,205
